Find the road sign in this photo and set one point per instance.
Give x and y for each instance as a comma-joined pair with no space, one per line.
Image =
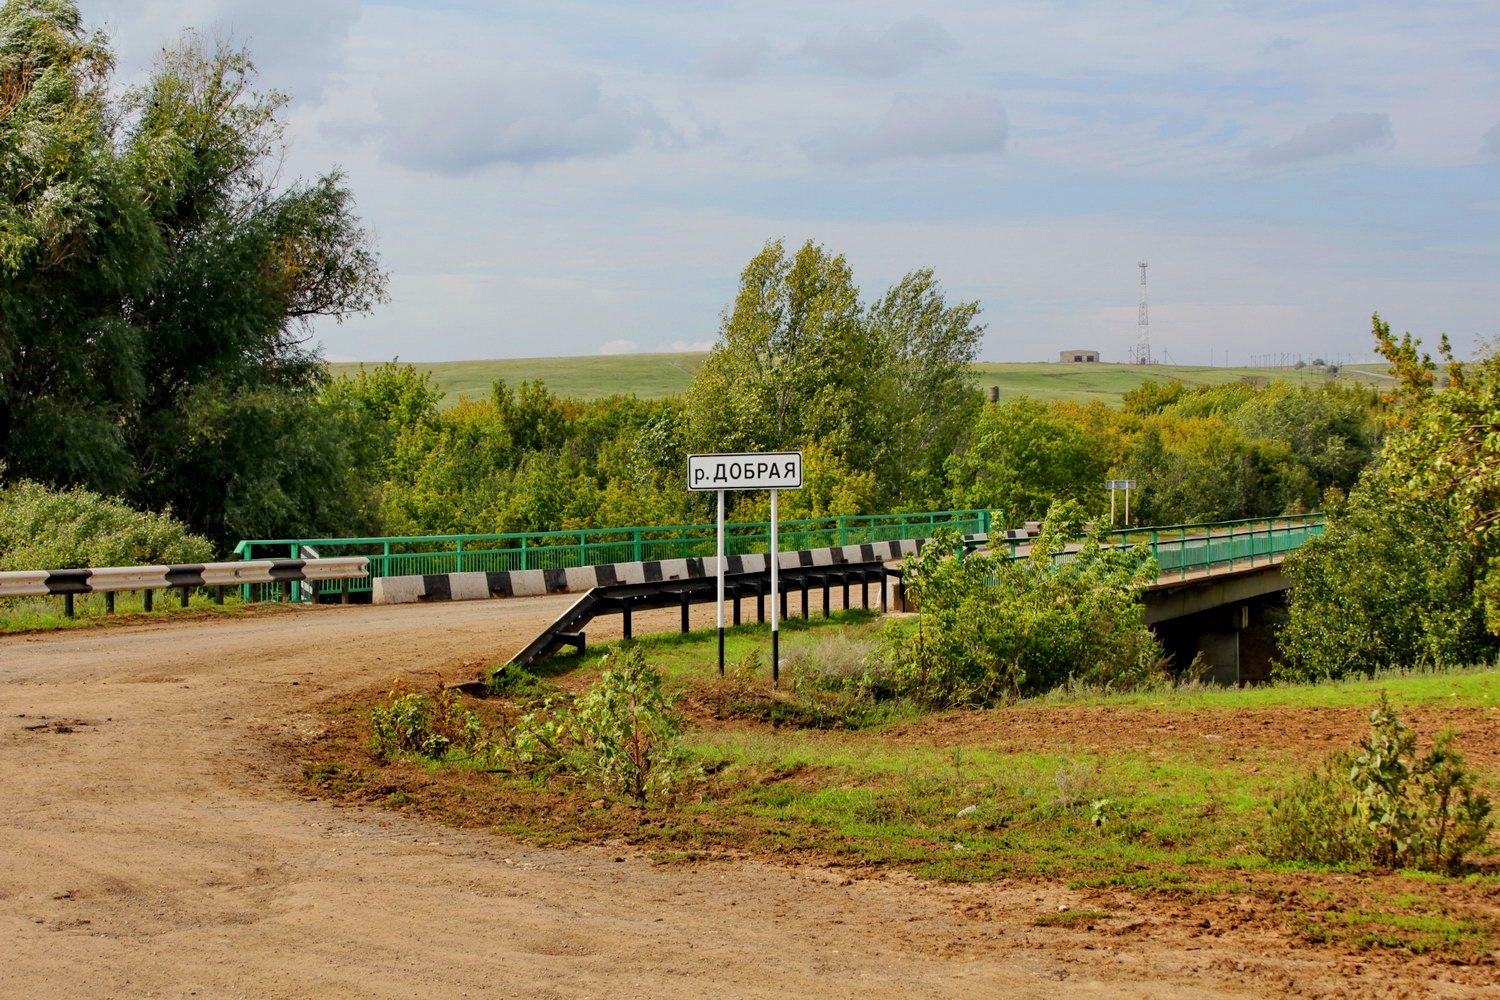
774,470
1119,484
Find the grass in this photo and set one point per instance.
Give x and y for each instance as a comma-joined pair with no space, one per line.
45,614
1476,687
649,376
652,376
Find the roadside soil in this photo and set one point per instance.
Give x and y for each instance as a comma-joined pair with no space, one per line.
159,842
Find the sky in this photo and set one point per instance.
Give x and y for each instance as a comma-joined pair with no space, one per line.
566,177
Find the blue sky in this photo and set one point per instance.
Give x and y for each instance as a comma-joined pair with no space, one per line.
571,177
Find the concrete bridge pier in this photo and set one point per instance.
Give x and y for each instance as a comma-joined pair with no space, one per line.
1236,641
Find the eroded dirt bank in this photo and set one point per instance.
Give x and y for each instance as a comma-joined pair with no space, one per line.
155,844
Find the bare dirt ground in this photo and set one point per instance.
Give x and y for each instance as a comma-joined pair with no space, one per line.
154,843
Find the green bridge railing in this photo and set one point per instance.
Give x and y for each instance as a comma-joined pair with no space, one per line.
423,554
1182,549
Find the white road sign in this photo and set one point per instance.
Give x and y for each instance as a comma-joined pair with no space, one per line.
774,470
1119,484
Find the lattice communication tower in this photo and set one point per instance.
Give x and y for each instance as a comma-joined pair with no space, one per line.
1143,326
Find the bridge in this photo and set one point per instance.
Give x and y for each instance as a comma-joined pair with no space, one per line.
1218,580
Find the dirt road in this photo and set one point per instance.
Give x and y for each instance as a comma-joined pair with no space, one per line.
154,844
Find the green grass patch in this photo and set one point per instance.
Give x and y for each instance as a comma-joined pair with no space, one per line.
1478,686
652,376
1070,918
45,614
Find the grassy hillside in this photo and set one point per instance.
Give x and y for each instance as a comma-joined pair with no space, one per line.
651,376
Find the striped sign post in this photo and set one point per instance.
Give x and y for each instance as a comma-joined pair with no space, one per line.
774,471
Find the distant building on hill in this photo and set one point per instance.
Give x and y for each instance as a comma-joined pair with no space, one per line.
1078,354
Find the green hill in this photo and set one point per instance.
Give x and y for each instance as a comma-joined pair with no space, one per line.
652,376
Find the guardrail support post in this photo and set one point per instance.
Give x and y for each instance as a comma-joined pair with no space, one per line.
625,612
184,590
219,592
683,599
736,604
804,599
760,605
344,591
109,602
68,605
827,586
146,596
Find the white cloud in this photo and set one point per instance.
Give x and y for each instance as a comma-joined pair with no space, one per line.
686,346
739,58
294,44
1489,147
1345,132
918,125
455,119
620,346
902,47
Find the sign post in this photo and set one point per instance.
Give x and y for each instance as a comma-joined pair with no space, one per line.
1119,484
778,470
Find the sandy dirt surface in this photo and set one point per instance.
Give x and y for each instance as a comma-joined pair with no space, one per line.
154,843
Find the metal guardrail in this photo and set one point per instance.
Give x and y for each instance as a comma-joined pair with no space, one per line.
411,555
110,580
1209,544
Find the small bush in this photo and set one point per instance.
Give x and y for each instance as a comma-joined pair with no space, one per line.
432,724
46,528
623,735
992,628
1380,803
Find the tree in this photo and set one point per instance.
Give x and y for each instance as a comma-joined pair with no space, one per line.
151,264
1021,457
791,357
884,387
1382,587
1446,447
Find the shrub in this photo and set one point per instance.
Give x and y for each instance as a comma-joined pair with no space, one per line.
991,628
623,735
1383,804
432,724
46,528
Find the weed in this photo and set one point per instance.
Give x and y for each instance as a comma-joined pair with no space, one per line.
1070,918
1380,803
431,724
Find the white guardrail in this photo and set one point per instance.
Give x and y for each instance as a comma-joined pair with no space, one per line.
110,580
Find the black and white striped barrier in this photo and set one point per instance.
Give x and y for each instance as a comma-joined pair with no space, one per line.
109,580
581,579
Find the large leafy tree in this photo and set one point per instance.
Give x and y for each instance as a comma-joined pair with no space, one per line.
1446,448
883,386
156,282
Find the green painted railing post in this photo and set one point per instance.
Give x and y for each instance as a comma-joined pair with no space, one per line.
459,561
842,536
583,552
523,551
637,539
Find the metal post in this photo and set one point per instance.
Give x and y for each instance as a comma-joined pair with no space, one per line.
146,596
219,593
625,610
1111,506
683,598
185,595
827,586
1127,507
68,605
736,604
803,581
109,602
775,606
719,570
